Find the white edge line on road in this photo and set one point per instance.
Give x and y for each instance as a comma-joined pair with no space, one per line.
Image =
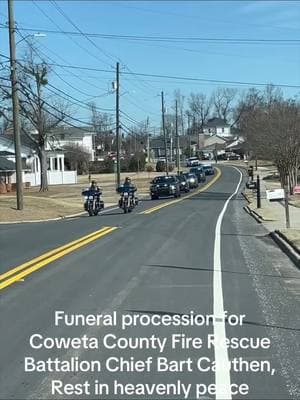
222,374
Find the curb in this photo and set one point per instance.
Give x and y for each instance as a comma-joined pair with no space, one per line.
245,197
253,214
50,219
43,220
286,246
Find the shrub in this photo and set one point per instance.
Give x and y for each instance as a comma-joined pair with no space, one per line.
149,168
160,166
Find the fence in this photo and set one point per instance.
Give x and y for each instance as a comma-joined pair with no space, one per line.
54,178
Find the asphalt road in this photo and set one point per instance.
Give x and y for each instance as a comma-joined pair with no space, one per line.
170,262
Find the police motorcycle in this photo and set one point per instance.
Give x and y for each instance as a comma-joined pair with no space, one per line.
93,202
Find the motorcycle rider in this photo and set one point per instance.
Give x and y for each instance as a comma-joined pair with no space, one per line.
94,186
131,188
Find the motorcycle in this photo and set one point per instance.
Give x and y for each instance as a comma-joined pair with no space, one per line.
93,203
127,200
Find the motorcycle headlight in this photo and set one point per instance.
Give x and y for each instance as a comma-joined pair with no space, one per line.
192,180
86,197
91,197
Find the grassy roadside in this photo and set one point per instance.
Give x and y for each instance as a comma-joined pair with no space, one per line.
63,200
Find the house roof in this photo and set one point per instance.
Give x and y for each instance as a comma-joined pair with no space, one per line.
7,144
6,165
214,122
215,146
5,153
68,132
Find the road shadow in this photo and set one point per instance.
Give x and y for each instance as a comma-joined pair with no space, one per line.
107,214
210,319
219,196
223,271
246,234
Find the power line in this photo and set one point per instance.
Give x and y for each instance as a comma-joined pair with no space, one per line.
169,39
61,11
63,80
65,33
184,78
76,102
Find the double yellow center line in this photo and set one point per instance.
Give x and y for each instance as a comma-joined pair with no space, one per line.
169,203
16,274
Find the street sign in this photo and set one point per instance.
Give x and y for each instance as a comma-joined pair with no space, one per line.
275,194
296,190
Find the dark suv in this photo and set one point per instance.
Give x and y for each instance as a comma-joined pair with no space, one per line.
164,186
199,172
208,169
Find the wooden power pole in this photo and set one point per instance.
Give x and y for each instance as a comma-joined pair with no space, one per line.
15,105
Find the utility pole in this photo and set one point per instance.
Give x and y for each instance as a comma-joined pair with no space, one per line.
164,132
286,205
148,141
189,134
118,123
258,197
177,138
15,105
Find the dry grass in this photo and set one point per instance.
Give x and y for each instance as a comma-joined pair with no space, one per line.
61,200
36,208
295,200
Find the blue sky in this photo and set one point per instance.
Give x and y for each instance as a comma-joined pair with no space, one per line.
260,62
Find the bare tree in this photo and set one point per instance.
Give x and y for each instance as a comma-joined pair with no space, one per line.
271,126
200,107
102,124
38,116
222,100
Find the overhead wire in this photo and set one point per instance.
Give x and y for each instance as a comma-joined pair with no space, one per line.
67,34
169,39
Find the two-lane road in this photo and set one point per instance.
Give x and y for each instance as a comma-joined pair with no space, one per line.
200,255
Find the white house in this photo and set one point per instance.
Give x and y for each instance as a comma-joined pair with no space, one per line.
66,136
217,126
31,163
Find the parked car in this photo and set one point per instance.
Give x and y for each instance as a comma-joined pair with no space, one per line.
192,179
164,186
233,156
199,172
192,161
208,169
183,183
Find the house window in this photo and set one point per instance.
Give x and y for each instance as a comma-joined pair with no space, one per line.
55,164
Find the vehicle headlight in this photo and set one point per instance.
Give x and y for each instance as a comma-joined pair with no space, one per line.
91,197
172,187
86,197
192,180
157,185
183,183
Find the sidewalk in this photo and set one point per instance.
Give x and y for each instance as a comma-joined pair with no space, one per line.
272,214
